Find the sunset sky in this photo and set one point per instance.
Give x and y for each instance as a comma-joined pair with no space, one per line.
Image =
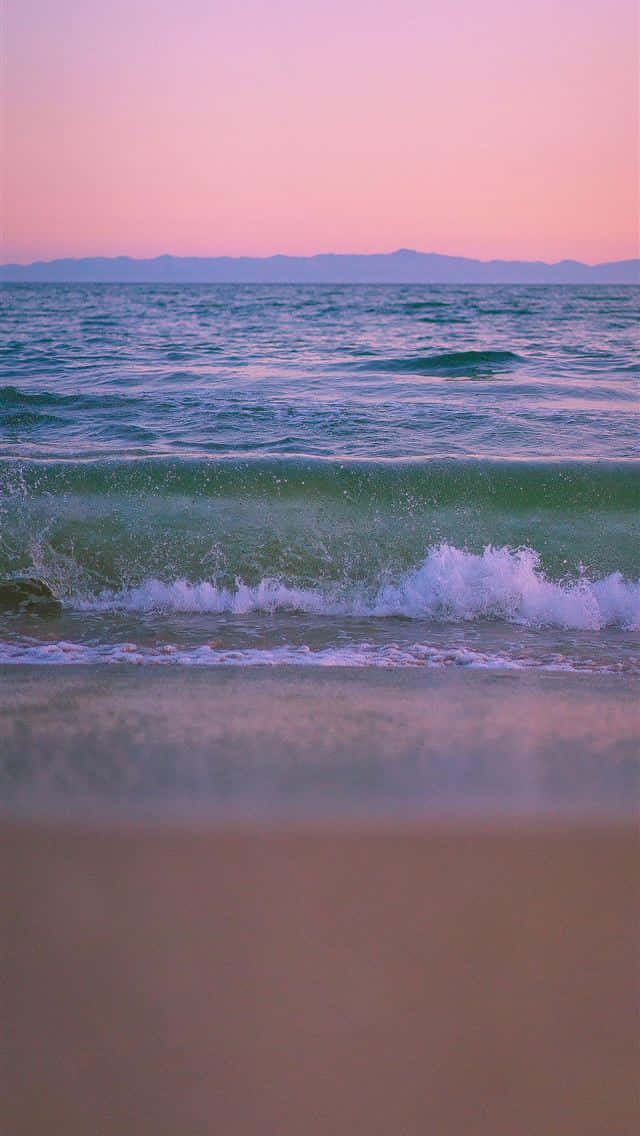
498,128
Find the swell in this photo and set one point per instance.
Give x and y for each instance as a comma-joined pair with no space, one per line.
13,398
26,418
449,363
514,485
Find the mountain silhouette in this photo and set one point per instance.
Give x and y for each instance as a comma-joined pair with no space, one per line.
405,266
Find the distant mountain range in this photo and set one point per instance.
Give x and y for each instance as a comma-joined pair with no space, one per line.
405,266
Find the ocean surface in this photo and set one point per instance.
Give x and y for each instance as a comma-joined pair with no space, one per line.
390,476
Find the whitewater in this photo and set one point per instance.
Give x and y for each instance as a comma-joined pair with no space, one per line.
450,584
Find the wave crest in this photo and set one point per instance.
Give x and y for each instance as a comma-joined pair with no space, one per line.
450,584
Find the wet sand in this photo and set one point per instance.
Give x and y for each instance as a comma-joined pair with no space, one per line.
289,740
366,978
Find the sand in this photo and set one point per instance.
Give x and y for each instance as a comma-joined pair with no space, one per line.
448,978
302,903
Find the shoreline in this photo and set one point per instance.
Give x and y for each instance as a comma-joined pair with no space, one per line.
287,741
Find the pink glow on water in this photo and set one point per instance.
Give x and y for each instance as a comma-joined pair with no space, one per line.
504,128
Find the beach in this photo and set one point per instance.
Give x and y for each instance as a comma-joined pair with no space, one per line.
371,977
289,900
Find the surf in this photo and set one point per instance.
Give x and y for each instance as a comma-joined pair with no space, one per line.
450,585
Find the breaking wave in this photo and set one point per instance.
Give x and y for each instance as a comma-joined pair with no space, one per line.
451,584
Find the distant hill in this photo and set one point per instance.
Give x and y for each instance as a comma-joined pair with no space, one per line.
402,267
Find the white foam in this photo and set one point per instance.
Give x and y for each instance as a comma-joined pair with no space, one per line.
451,584
508,584
390,656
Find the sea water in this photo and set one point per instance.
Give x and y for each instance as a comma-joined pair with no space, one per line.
377,476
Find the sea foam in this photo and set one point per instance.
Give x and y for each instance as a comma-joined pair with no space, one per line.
451,584
389,656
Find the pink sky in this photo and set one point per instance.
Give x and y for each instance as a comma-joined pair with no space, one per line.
246,127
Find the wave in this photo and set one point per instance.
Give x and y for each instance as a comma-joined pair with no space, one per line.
410,306
314,525
26,418
455,364
388,656
450,585
11,396
506,484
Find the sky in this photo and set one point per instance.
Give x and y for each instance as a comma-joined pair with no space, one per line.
486,128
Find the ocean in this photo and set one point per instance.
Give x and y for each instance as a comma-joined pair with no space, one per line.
353,476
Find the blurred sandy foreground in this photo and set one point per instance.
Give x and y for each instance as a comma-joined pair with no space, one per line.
367,977
286,903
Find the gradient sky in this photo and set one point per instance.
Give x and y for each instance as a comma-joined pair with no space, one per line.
481,127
